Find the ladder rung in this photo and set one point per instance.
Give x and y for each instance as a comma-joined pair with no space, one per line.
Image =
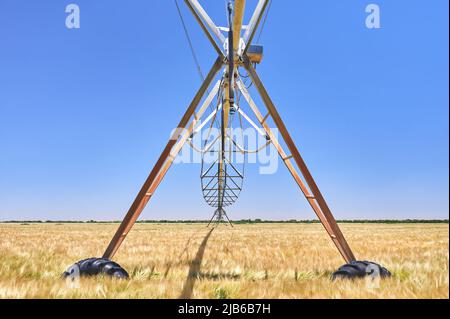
288,158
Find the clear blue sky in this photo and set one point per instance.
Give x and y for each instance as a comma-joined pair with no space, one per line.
85,113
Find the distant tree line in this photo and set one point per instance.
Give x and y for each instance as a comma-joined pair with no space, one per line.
242,221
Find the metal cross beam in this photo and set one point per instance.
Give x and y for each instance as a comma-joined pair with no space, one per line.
212,31
206,23
254,21
239,8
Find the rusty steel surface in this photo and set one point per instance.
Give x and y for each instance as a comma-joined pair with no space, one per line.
239,8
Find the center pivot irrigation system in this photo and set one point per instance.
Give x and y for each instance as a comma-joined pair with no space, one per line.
222,177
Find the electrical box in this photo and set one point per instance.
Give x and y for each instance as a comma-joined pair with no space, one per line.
255,53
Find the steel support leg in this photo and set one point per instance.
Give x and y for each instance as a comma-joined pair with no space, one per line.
313,194
163,164
199,13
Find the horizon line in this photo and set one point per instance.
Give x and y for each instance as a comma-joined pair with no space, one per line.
242,221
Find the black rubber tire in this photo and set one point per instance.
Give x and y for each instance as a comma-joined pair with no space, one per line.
358,269
98,266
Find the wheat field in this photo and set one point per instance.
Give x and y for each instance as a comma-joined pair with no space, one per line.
247,261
